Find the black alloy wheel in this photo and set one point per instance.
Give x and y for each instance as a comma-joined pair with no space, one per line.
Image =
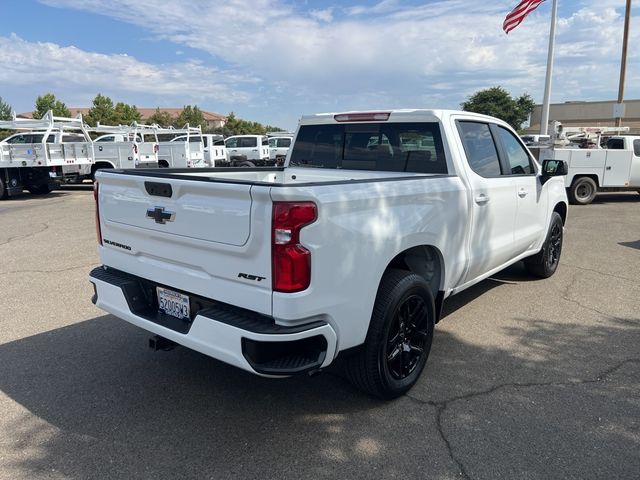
399,339
407,337
545,263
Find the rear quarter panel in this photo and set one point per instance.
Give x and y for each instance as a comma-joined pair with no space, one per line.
361,227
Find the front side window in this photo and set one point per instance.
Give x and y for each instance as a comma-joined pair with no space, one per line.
231,143
110,138
17,139
284,142
480,148
394,147
519,160
272,142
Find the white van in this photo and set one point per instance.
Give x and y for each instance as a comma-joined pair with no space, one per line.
248,151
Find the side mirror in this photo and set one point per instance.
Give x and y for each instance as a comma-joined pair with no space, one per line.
553,168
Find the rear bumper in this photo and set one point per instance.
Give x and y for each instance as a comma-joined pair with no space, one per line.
239,337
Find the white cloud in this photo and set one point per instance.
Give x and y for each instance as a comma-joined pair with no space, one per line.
56,68
388,54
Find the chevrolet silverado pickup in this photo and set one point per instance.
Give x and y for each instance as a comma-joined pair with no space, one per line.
348,251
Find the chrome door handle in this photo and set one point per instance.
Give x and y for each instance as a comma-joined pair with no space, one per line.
481,199
522,193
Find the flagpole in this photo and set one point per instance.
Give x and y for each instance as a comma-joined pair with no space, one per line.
623,62
544,121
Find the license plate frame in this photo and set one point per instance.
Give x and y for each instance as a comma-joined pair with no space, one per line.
173,303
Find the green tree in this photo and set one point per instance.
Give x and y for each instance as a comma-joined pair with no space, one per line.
191,115
5,110
102,111
126,114
164,119
237,126
497,102
47,102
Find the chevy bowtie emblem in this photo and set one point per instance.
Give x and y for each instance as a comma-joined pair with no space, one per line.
160,215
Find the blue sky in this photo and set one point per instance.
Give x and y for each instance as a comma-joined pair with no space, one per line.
274,60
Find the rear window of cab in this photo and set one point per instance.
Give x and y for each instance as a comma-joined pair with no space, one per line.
384,146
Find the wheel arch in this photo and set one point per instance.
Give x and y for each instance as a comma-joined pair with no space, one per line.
561,208
426,261
102,164
592,176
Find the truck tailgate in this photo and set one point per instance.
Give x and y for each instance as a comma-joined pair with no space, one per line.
206,238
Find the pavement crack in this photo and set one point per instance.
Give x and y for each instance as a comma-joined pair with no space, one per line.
442,405
50,271
565,296
26,235
633,280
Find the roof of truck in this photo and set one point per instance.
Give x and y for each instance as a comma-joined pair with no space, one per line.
404,114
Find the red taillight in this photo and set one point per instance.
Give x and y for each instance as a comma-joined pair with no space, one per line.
96,188
135,148
291,270
156,148
362,117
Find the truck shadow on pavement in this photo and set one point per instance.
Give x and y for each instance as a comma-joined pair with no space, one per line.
100,405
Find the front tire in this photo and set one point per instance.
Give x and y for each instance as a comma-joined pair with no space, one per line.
399,337
3,189
582,191
545,263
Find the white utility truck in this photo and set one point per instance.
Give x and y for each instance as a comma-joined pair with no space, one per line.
614,168
180,147
119,146
248,151
349,249
215,153
33,159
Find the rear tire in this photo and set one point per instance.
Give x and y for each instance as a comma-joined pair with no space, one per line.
246,164
39,189
399,337
582,191
546,261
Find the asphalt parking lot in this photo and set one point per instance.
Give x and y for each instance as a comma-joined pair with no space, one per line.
527,379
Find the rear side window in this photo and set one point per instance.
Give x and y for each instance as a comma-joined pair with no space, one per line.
615,143
519,160
392,147
480,148
247,142
265,141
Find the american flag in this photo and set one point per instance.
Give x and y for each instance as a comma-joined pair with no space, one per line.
518,14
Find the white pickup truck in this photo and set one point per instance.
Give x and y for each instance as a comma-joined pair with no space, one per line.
350,249
614,168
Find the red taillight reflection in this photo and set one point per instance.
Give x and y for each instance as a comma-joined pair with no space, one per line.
96,194
291,262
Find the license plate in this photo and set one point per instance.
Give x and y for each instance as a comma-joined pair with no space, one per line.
173,303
